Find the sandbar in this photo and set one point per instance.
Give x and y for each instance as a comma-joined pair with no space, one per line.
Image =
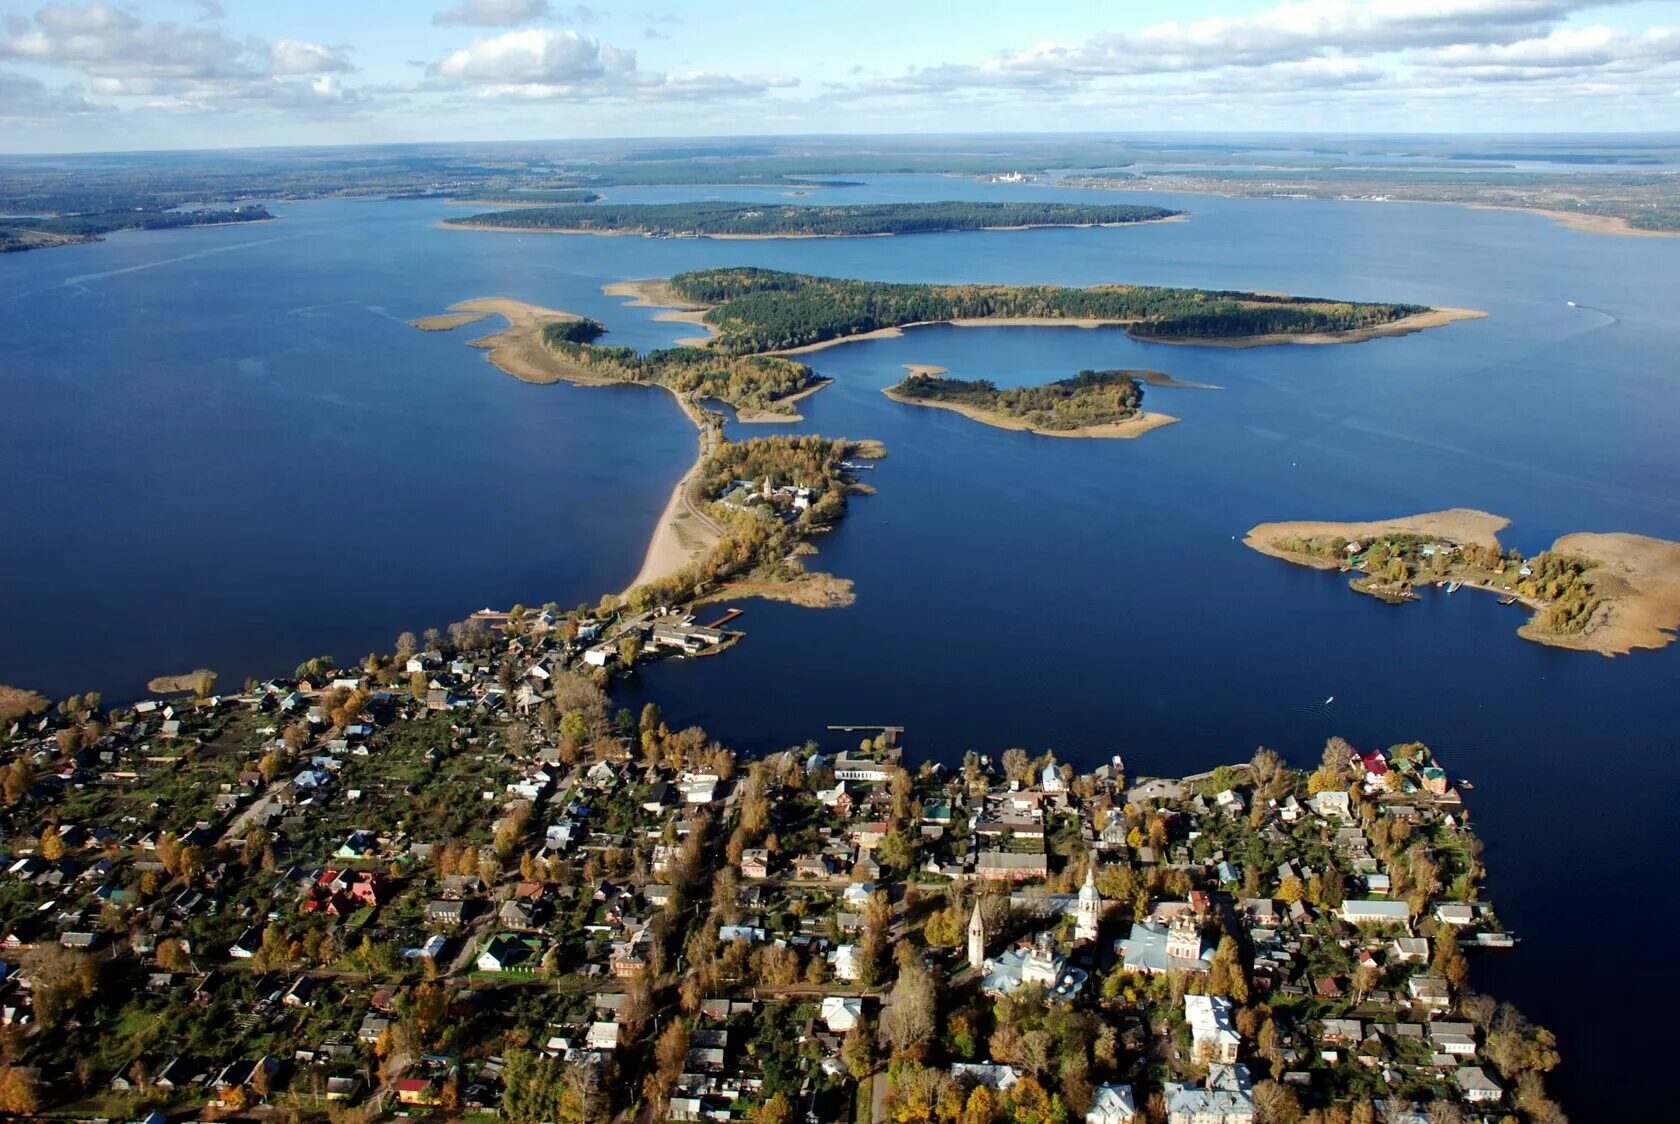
519,349
1634,578
447,321
1134,426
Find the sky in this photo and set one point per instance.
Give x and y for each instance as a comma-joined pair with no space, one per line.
161,74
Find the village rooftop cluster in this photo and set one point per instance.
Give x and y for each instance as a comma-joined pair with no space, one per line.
455,881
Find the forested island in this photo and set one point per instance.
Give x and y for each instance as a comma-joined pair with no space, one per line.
758,310
41,232
1606,593
1090,404
758,220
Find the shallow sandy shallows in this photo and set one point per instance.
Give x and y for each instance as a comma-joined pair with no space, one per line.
517,349
657,293
1635,578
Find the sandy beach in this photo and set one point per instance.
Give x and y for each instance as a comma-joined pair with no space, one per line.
1587,224
1135,426
684,532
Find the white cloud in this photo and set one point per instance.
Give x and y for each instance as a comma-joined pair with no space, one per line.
511,13
26,100
175,64
545,64
1398,49
288,56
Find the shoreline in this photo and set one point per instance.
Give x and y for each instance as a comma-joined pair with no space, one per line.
1135,426
1581,221
1405,326
518,350
656,293
760,417
666,550
456,224
1635,578
1418,322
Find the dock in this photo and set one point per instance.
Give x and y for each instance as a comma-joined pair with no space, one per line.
726,618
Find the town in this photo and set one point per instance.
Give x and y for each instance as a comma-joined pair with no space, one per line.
455,881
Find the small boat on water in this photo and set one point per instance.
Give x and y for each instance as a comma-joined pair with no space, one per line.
1572,304
1453,587
1510,600
1462,783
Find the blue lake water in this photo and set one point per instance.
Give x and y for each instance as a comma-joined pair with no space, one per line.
226,448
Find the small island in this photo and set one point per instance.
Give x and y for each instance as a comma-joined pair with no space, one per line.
45,231
758,220
1605,593
1090,404
754,311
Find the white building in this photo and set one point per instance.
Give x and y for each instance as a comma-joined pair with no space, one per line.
1215,1039
1089,910
1112,1104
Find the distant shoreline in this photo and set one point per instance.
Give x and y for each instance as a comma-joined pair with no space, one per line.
1135,426
457,224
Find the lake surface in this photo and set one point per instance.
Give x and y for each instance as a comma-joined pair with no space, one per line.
226,448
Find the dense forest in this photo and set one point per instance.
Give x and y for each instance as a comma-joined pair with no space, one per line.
1089,398
751,382
679,219
582,330
53,230
767,310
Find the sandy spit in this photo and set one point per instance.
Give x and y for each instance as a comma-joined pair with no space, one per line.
771,416
1458,524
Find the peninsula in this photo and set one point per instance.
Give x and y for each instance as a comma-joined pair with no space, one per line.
758,220
45,231
1605,593
1091,404
756,310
